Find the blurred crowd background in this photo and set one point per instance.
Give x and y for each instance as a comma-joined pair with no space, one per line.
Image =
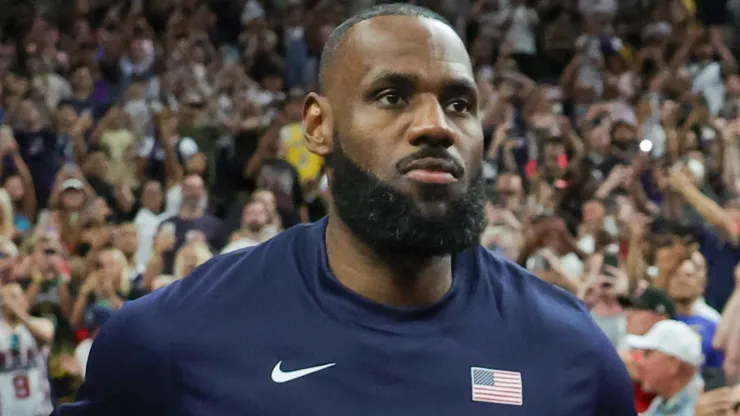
141,138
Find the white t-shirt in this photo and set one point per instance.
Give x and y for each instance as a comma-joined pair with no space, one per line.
82,352
146,223
520,32
708,81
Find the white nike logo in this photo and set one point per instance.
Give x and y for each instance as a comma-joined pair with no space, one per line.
280,376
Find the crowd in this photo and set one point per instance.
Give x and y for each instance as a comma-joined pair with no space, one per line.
139,139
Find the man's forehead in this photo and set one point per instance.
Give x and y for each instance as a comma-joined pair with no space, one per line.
397,42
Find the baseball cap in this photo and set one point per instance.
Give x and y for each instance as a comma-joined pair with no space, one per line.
652,299
672,338
73,183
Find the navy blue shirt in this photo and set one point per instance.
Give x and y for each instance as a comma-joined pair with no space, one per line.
39,152
231,339
721,257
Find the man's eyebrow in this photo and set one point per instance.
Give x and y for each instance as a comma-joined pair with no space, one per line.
394,78
405,80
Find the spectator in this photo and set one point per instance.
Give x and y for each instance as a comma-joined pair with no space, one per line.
669,366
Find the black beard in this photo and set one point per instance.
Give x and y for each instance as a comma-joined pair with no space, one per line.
391,222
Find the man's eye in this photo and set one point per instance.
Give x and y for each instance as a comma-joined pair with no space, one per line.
458,106
390,99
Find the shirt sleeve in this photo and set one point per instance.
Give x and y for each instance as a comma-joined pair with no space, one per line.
615,392
128,367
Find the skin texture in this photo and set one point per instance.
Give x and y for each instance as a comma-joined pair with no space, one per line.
399,87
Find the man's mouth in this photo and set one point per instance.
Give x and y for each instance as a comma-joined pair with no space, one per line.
432,170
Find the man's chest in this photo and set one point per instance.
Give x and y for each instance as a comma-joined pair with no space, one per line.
316,372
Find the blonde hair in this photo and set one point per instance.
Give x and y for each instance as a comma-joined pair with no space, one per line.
8,247
124,284
202,255
6,205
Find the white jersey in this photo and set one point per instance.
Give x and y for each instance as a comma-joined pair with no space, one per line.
24,383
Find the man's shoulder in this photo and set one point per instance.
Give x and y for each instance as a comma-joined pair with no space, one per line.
538,304
239,272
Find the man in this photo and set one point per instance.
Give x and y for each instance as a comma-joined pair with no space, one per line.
669,366
24,341
685,286
643,312
193,217
388,307
253,230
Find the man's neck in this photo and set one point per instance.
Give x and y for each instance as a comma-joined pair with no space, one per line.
388,280
673,387
190,212
683,307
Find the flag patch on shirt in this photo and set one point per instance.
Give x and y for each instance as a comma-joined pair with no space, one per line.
496,386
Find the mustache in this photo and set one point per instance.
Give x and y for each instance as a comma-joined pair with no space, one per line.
429,152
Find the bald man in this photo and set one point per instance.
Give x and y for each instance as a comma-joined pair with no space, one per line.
387,307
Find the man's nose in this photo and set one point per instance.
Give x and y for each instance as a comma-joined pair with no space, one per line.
430,125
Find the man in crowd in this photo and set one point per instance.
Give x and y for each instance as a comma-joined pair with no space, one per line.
671,357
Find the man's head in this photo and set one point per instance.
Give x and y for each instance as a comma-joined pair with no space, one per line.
126,239
47,250
96,162
644,311
73,194
151,196
255,216
81,79
193,190
671,355
398,123
687,282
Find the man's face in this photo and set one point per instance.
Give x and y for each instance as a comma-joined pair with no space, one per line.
406,139
255,216
72,199
656,369
127,239
152,195
593,212
82,79
686,283
192,189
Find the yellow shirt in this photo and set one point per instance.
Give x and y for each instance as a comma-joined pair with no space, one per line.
308,164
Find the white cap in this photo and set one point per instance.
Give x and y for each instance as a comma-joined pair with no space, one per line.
672,338
73,183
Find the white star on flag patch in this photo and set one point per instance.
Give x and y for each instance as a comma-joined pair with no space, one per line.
496,386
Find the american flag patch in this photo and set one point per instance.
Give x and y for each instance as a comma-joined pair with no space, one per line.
496,386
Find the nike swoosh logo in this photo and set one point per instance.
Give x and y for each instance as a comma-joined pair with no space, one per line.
280,376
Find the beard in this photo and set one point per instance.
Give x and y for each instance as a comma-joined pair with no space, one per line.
389,221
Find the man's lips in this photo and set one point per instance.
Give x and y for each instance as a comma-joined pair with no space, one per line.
432,170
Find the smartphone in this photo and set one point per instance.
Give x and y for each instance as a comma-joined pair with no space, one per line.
537,263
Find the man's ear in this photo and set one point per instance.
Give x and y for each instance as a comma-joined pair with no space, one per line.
318,124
